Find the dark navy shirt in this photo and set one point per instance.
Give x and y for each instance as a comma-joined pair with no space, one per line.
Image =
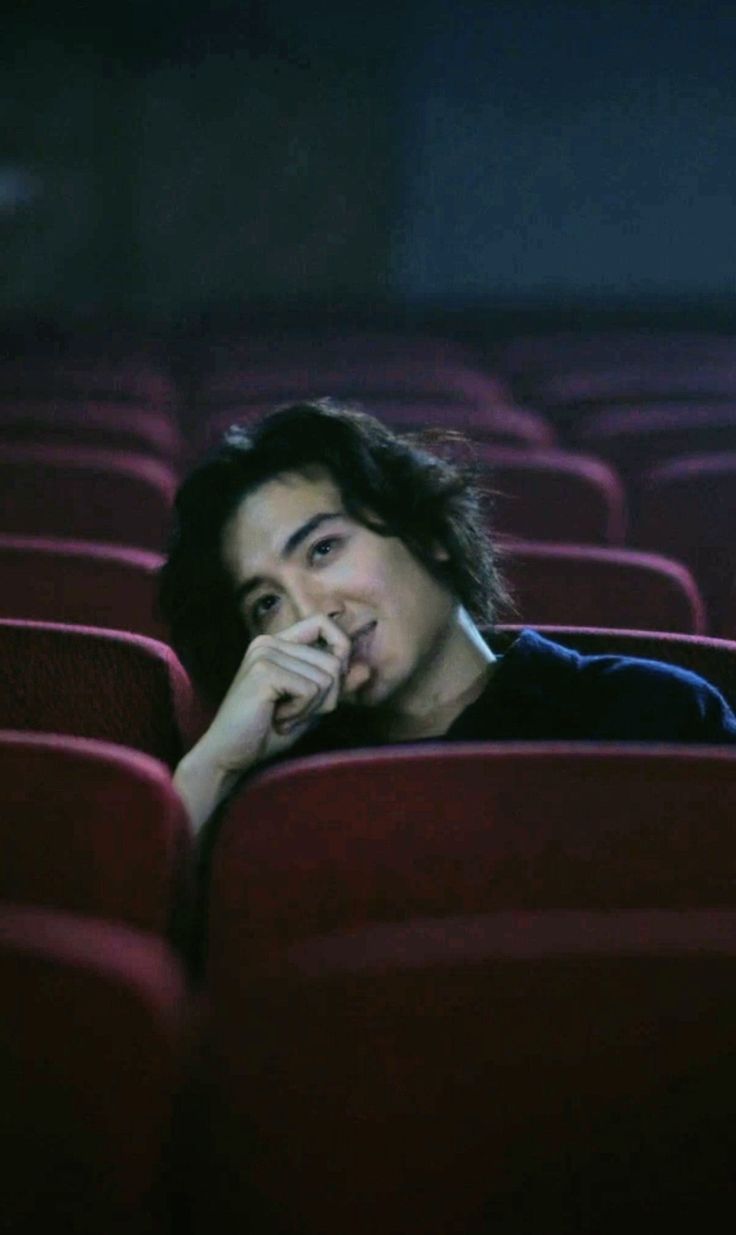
542,691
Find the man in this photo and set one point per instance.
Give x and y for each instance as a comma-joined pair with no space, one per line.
330,584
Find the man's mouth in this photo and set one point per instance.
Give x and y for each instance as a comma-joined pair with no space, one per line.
360,643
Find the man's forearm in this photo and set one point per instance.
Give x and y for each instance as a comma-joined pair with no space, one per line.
202,784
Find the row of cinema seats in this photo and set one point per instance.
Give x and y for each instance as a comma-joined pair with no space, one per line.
85,493
565,1071
53,579
435,977
87,499
636,479
446,990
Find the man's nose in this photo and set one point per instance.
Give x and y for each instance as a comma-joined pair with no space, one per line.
312,600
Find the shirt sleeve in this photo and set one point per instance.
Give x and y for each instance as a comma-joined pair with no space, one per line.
717,722
652,701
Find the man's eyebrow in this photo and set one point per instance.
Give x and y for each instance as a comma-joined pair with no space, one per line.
291,545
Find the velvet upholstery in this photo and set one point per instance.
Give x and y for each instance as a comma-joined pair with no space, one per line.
111,685
593,585
86,493
92,1044
93,829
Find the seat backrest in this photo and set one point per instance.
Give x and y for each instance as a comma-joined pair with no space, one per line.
133,380
91,1054
93,829
494,424
634,439
94,683
567,351
371,379
552,495
637,382
687,509
713,659
526,1072
107,426
87,494
597,586
378,835
51,579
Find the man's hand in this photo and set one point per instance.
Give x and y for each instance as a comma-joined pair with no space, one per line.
285,682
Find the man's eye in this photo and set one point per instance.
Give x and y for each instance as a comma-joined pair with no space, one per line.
263,606
323,548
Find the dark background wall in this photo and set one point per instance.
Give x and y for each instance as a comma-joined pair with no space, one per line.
164,158
569,149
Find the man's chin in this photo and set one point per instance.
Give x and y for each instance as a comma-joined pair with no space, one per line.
363,696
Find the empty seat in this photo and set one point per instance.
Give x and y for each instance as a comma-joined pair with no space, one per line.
452,1072
348,887
687,509
520,1072
334,342
566,395
93,683
107,426
586,585
132,380
86,494
91,828
340,840
567,351
712,659
634,439
553,495
497,425
91,1052
81,582
371,379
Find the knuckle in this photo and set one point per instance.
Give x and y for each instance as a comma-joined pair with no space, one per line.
260,644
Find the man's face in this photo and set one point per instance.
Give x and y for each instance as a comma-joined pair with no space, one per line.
293,552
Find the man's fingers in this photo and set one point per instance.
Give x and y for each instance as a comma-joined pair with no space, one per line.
299,687
322,628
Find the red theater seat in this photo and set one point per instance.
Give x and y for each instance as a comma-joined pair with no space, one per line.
370,379
634,439
687,509
515,1072
80,582
566,395
86,494
456,998
342,840
133,380
566,351
495,425
93,683
553,495
93,829
91,1053
586,585
107,426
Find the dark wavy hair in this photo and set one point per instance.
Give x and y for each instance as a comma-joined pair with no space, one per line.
397,484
